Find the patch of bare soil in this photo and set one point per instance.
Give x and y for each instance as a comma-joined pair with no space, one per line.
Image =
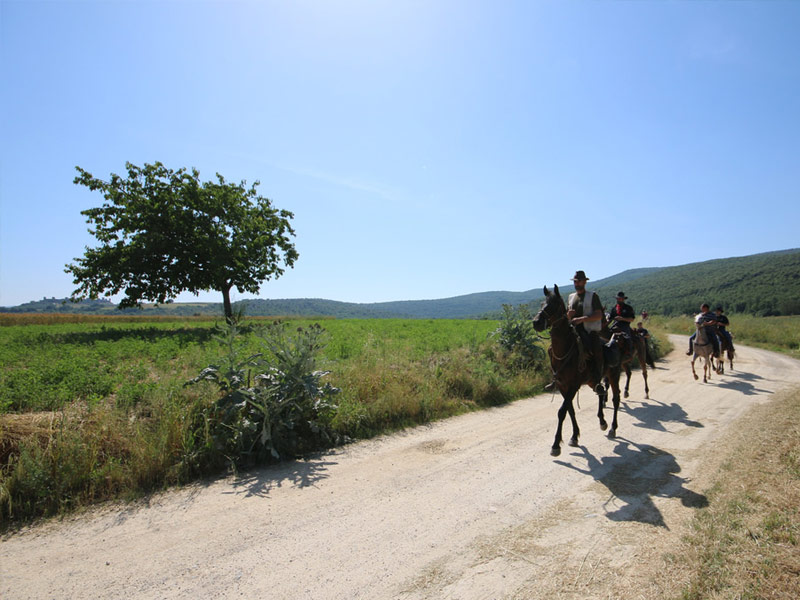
468,508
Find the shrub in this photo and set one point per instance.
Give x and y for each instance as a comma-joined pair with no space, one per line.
283,409
519,339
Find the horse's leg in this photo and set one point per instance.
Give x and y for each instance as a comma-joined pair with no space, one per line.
615,401
694,358
643,363
601,402
627,378
562,413
576,432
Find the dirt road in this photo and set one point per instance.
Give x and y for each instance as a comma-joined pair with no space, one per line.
472,507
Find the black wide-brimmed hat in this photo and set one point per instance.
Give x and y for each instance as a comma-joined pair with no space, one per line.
580,275
622,295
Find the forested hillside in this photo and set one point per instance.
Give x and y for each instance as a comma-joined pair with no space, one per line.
760,284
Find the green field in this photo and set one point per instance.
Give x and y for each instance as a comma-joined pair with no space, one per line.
99,409
779,334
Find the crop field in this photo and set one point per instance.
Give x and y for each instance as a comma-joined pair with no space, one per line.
99,408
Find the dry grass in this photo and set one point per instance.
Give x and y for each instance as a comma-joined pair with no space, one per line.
14,428
746,543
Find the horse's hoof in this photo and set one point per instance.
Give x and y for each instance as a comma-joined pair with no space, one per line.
696,378
625,395
612,434
603,425
573,442
555,451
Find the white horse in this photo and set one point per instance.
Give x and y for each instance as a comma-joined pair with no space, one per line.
703,348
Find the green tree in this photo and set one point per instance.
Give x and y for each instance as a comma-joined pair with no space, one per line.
163,232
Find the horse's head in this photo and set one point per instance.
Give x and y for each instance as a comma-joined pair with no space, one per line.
552,310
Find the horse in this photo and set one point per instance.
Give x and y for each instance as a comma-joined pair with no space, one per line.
639,351
570,372
703,348
725,347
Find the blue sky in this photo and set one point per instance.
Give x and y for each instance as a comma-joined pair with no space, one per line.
428,148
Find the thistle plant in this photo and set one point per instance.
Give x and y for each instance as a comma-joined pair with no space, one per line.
273,403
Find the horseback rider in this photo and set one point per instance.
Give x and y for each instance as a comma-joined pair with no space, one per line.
585,312
705,319
645,335
621,315
722,323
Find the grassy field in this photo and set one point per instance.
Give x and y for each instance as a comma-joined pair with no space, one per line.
779,334
98,409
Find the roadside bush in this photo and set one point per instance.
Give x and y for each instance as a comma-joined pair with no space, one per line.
519,339
274,403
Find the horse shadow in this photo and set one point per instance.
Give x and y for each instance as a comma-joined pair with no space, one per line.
635,475
301,473
653,414
742,382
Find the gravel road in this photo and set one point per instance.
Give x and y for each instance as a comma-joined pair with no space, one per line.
467,508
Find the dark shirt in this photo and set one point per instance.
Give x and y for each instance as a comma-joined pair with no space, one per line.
622,310
722,322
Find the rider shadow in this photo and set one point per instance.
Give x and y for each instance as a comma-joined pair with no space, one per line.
300,473
743,375
652,414
745,387
636,475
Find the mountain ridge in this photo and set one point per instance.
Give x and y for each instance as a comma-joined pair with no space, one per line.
767,283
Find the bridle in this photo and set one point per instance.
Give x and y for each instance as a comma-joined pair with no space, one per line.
552,322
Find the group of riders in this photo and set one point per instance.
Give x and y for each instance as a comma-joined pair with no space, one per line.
715,326
586,313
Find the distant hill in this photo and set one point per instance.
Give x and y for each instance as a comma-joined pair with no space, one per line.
760,284
765,284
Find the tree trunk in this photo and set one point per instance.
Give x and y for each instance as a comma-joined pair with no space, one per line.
226,303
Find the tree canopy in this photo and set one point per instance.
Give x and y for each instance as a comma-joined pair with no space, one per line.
163,232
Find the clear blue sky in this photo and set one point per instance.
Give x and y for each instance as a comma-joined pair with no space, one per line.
428,148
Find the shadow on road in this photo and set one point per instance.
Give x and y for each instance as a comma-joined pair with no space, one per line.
745,387
635,475
652,414
297,473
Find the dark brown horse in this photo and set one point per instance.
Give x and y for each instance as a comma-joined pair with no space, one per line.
725,347
639,351
570,372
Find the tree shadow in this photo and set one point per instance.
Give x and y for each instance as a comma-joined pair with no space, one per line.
652,414
183,336
634,476
301,473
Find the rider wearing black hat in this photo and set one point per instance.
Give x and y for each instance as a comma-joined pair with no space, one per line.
722,323
585,312
622,315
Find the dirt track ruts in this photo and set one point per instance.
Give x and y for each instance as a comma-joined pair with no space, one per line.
467,508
